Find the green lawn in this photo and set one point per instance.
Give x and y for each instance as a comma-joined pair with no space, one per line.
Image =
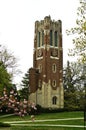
48,124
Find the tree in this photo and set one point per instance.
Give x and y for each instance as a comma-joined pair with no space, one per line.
9,61
24,92
8,65
80,33
9,102
5,78
73,86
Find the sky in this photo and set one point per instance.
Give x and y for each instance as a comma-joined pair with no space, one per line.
17,19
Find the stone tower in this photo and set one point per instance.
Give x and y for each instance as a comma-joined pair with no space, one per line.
46,82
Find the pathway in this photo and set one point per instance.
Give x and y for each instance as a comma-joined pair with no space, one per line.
21,123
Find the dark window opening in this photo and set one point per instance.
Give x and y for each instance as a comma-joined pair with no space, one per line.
51,41
54,100
56,40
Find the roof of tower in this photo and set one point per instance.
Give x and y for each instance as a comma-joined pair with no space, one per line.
47,17
47,20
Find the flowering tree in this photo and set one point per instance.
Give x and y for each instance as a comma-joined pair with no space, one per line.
10,102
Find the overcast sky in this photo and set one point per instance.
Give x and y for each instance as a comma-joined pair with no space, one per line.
17,18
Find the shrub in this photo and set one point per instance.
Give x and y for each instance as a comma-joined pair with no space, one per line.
4,124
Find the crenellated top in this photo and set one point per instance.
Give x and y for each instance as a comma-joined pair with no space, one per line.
48,32
48,24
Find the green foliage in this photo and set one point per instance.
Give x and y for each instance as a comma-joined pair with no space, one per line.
8,64
4,124
7,58
5,78
80,33
9,61
24,92
73,86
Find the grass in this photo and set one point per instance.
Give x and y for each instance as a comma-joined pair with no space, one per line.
4,124
46,116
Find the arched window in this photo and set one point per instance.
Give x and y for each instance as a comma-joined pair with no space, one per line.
54,83
54,68
54,100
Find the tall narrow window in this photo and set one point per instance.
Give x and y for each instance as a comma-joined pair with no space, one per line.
54,68
42,38
55,39
54,83
38,39
54,100
51,38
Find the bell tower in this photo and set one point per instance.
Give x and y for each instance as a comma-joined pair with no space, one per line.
46,82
